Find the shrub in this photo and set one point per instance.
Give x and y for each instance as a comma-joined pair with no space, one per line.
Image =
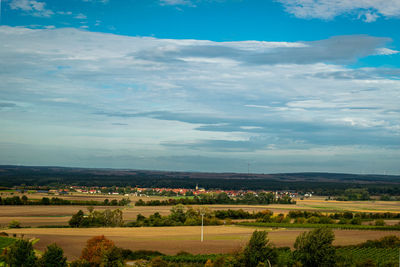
112,258
356,221
140,254
14,224
158,262
53,257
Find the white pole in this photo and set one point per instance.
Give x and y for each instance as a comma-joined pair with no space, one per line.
202,217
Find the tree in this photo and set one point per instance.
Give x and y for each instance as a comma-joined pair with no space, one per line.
112,258
113,217
53,257
76,219
45,201
314,248
24,200
178,213
259,249
20,254
96,248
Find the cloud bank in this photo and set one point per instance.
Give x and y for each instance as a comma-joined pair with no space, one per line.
82,98
367,10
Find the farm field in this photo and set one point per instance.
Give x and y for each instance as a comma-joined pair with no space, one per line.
60,215
319,203
170,240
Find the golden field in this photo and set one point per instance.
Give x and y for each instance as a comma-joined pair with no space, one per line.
60,215
170,240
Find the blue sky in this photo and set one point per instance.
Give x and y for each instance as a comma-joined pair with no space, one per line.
201,85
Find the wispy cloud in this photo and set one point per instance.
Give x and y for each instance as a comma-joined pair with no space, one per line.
97,1
367,10
31,7
148,99
177,3
338,49
80,16
386,51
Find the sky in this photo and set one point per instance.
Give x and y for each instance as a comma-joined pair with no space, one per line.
201,85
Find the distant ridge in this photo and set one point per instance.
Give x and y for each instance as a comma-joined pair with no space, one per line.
11,175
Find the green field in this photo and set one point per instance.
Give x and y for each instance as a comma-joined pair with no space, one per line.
5,242
333,226
381,256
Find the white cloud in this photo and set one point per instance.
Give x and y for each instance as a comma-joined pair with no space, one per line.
368,10
32,7
164,97
190,3
81,16
177,3
386,51
94,1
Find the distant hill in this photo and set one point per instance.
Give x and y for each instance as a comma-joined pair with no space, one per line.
322,182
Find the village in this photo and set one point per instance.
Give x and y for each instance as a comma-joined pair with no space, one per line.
147,192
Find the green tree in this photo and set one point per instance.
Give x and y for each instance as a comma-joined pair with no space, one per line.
259,249
314,248
20,254
178,213
45,201
53,257
24,200
112,258
76,219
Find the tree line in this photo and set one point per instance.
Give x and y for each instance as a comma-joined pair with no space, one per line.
181,215
221,198
95,218
23,200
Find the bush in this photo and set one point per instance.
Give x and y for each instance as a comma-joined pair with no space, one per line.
53,257
14,224
112,258
356,221
80,263
158,262
140,254
313,220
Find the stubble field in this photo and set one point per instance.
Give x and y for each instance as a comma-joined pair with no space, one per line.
59,215
170,240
